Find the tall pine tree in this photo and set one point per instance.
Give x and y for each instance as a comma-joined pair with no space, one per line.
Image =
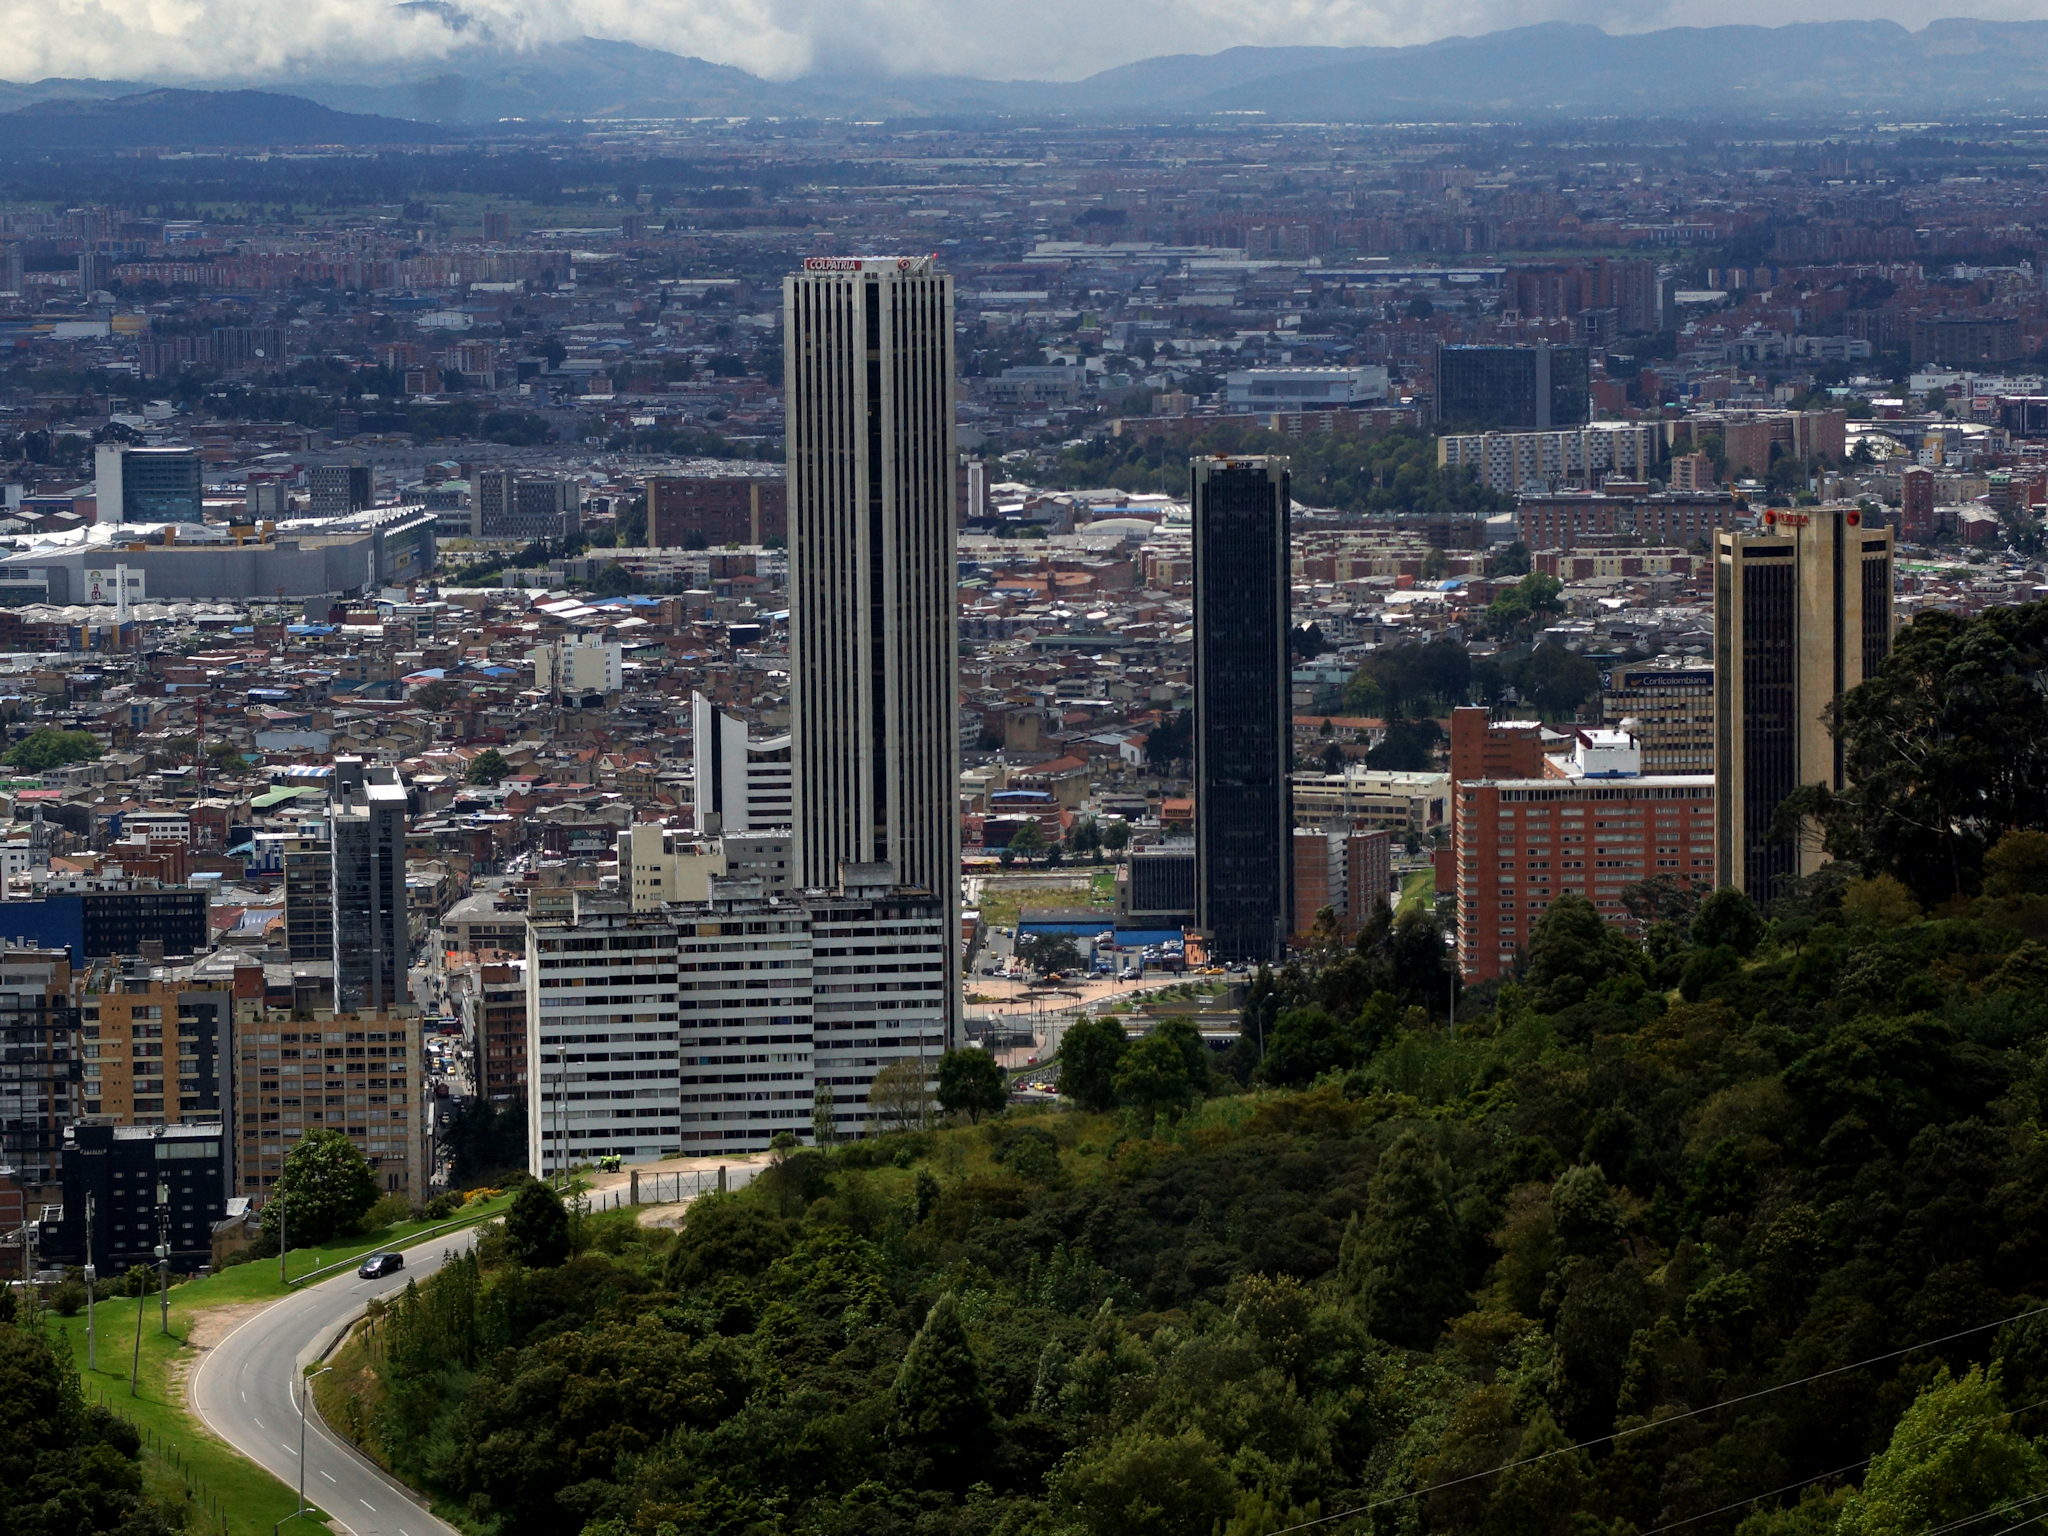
1403,1255
942,1406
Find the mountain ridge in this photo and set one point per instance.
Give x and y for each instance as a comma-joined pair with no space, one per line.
1552,69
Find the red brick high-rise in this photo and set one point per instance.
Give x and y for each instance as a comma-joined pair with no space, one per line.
1588,824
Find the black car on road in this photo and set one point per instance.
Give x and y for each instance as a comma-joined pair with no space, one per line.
378,1265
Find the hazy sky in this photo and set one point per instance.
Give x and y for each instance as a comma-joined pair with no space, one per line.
1044,39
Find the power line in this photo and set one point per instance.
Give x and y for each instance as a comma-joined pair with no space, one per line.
1669,1419
2030,1520
1820,1477
2005,1508
1672,1525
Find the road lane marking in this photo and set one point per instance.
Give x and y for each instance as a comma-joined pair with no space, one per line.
259,1423
287,1449
328,1475
367,1505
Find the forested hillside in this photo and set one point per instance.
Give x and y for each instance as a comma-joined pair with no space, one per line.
1791,1166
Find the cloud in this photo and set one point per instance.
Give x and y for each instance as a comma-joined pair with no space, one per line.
211,40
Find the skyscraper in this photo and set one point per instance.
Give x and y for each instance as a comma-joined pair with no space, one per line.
372,942
1802,614
1244,821
874,697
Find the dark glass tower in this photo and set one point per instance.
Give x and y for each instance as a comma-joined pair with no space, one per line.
1244,828
1528,389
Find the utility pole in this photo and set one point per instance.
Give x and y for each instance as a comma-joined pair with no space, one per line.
92,1285
135,1362
278,1196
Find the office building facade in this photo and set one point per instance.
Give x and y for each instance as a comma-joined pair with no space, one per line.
1155,886
1580,457
1668,709
339,489
743,1017
127,1187
114,917
719,1020
711,510
874,694
883,959
741,784
356,1073
503,505
40,1086
157,1050
309,897
1244,820
372,935
1345,870
148,485
1916,503
1519,388
1802,614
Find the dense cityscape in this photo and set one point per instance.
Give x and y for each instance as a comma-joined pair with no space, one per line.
1029,825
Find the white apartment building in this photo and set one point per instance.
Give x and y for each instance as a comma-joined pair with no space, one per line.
580,667
708,1026
1508,462
600,1037
740,784
1305,389
743,1006
879,974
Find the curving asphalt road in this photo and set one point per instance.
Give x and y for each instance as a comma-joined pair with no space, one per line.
246,1391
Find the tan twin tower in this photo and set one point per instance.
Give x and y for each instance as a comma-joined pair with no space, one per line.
1802,614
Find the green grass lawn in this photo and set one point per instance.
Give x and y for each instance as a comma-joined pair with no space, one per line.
1418,889
193,1473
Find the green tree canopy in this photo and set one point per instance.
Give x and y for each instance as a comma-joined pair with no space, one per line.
1166,1070
325,1190
1946,750
537,1226
1532,602
1145,1484
1090,1055
45,748
1953,1458
66,1468
971,1083
724,1235
1046,952
487,767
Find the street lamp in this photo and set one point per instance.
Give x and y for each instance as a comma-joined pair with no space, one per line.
163,1255
92,1358
305,1391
